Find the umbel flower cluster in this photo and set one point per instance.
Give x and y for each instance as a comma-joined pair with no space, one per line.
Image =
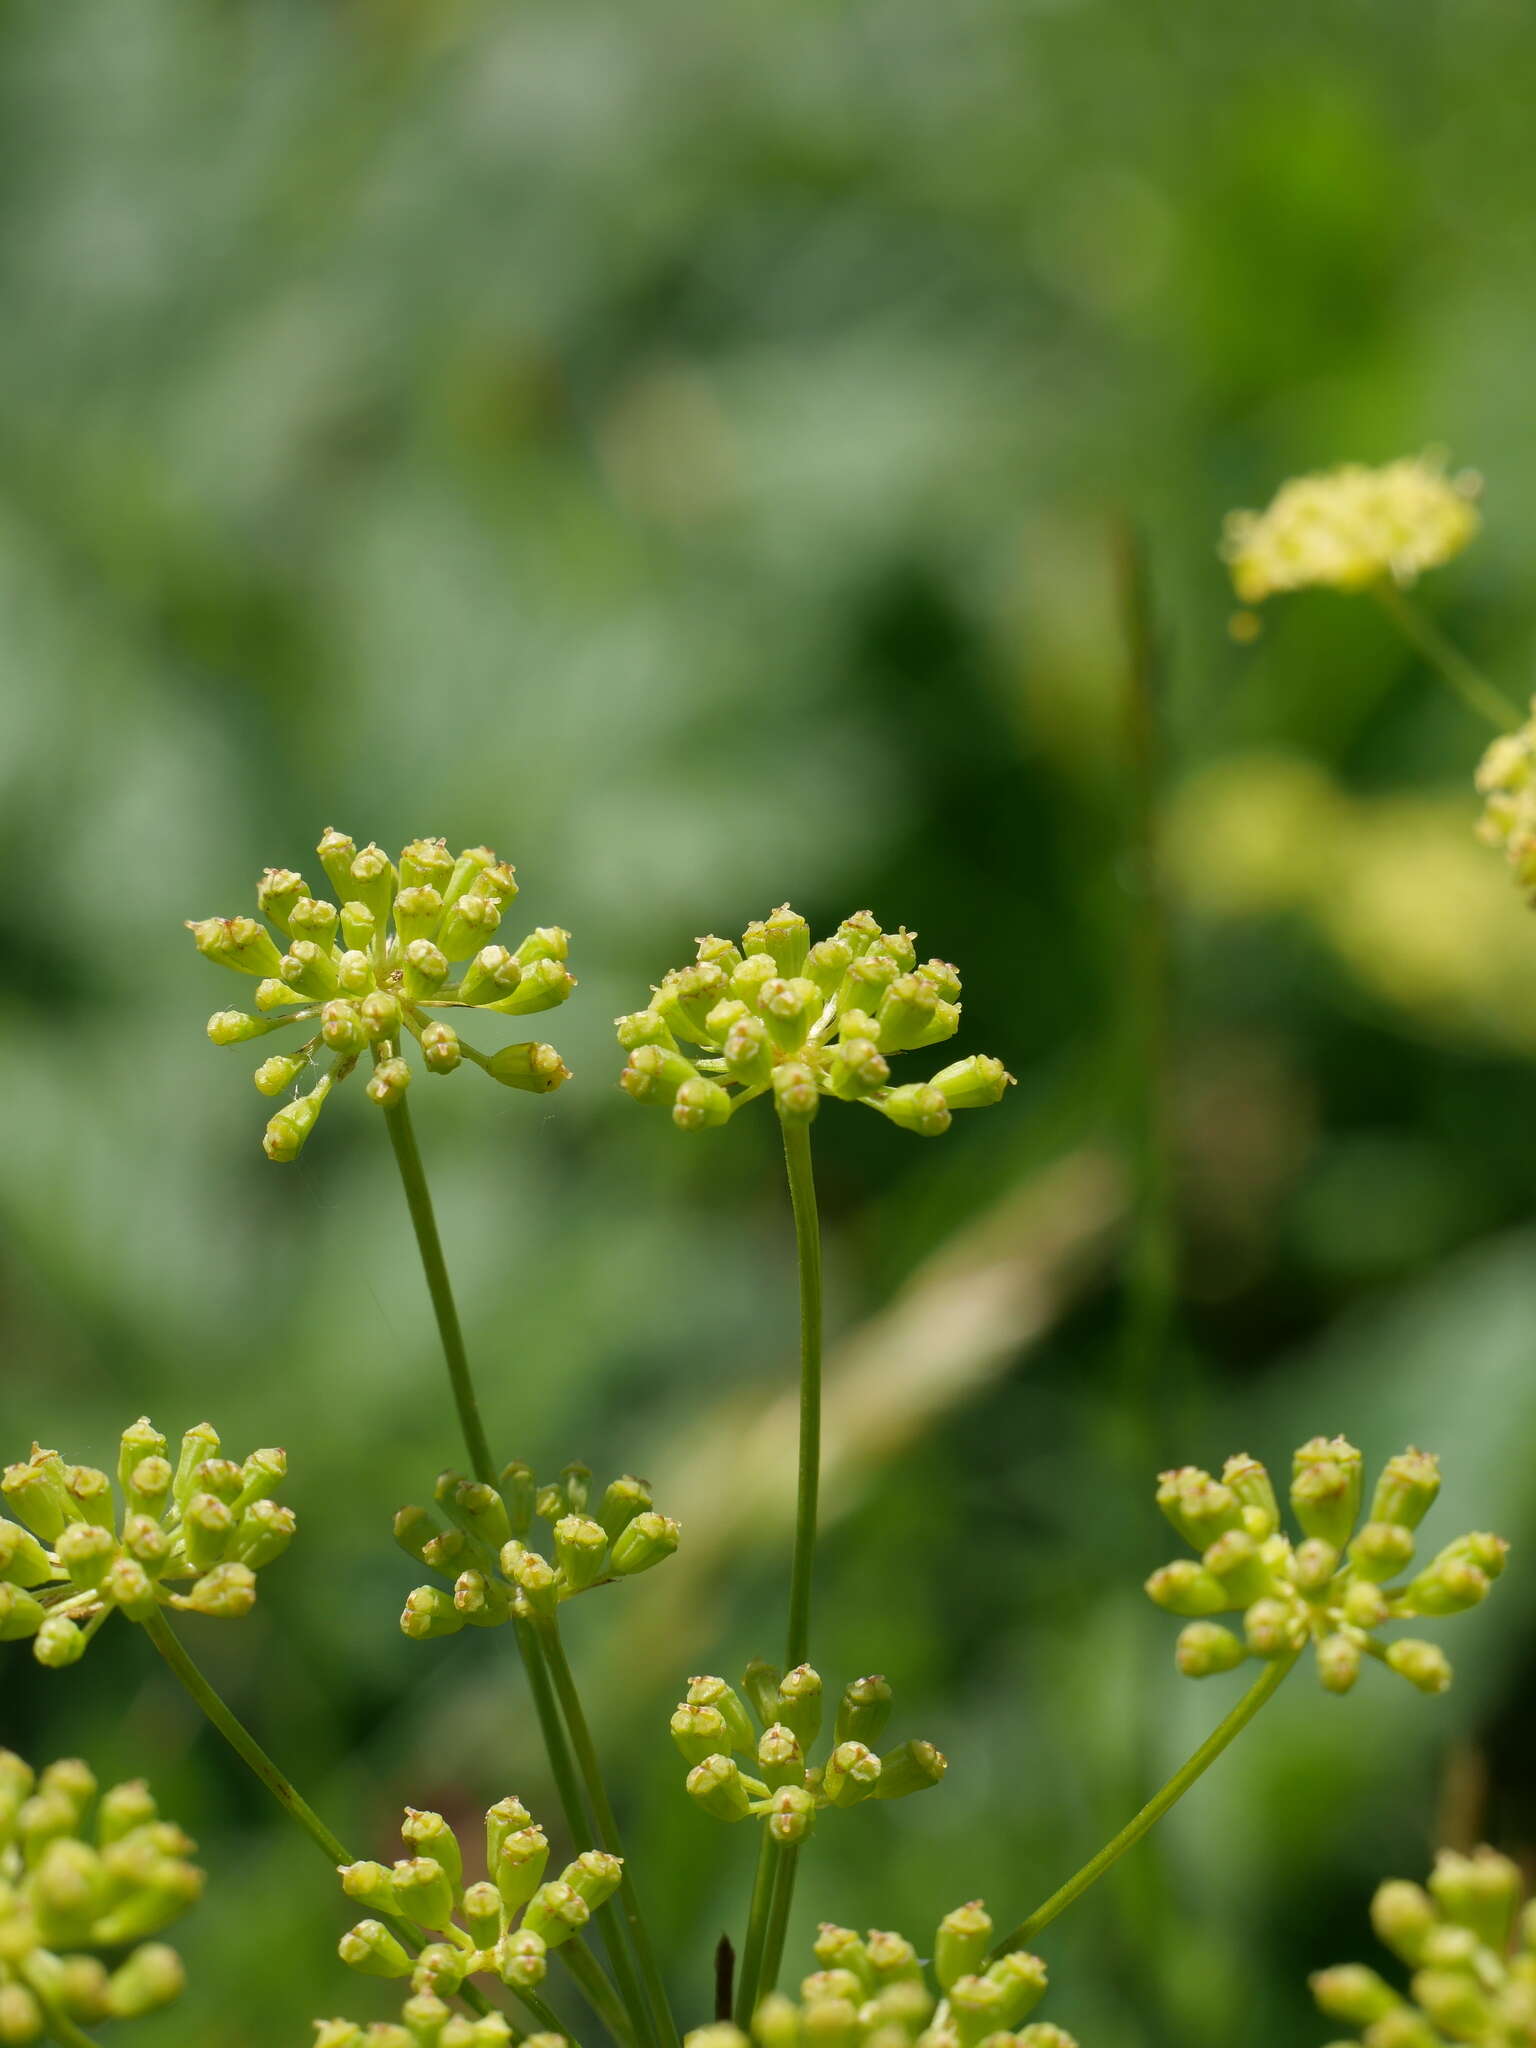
503,1926
1506,780
1351,527
777,1014
69,1883
1472,1952
874,1990
429,2024
1330,1588
781,1785
74,1554
368,969
484,1547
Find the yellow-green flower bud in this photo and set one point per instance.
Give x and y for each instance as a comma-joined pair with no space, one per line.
1480,1892
342,1028
1338,1661
795,1095
625,1498
784,936
425,1890
427,1834
699,1732
237,942
701,1105
717,1786
21,2017
595,1875
370,1948
520,1959
1206,1648
557,1912
1187,1588
851,1774
430,1612
645,1542
58,1643
388,1082
288,1131
23,1560
234,1027
973,1083
915,1767
544,984
481,1909
537,1069
86,1553
1406,1490
518,1864
418,913
423,970
800,1704
226,1593
581,1549
440,1048
381,1016
916,1107
961,1943
780,1758
150,1978
1424,1665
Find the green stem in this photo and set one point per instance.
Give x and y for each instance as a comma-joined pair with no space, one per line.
562,1765
660,2012
778,1918
757,1930
1263,1688
1443,655
61,2028
241,1741
802,1196
402,1137
596,1989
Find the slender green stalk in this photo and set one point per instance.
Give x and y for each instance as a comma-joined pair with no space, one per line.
549,2020
61,2028
562,1765
802,1196
1444,656
768,1857
658,2022
1263,1688
596,1989
402,1137
778,1919
241,1741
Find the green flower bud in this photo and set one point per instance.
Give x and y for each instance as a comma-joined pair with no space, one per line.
481,1601
701,1105
536,1069
481,1908
1198,1506
716,1784
1313,1567
1185,1587
370,1948
714,1692
23,1560
784,936
359,924
423,970
425,1890
1403,1916
544,985
414,1528
791,1814
654,1074
858,1068
864,1710
917,1108
827,963
237,942
1480,1892
128,1586
1406,1490
342,1028
799,1705
278,893
1423,1664
775,2024
479,1511
418,913
750,979
517,1490
507,1817
1454,2003
58,1643
747,1053
82,1988
780,1758
594,1875
439,1971
961,1943
544,942
123,1808
339,2034
86,1553
89,1493
974,1083
206,1528
1021,1979
557,1912
36,1494
370,1884
520,1959
1449,1585
760,1683
839,1948
388,1082
1205,1648
1274,1628
1235,1561
914,1767
426,863
381,1016
309,970
1325,1489
288,1132
537,1580
1379,1550
645,1542
471,864
21,2017
314,919
234,1027
354,977
518,1865
851,1774
440,1048
1338,1662
428,1835
644,1027
699,1732
625,1498
150,1978
795,1095
227,1593
789,1008
430,1612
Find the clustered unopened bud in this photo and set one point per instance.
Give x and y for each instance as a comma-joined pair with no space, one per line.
504,1925
1351,527
400,941
1471,1949
780,1783
1333,1587
72,1880
779,1016
483,1546
1506,780
78,1549
874,1992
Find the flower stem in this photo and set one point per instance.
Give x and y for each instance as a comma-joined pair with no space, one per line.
61,2028
562,1766
657,2023
397,1119
778,1918
1447,659
1263,1688
802,1196
757,1930
596,1989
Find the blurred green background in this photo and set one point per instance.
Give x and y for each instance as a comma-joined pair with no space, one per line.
686,446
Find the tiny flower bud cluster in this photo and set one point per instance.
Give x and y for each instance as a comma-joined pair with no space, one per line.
485,1549
1350,527
780,1785
427,2023
1506,780
72,1555
1332,1587
874,1993
367,969
502,1926
1472,1952
779,1015
66,1885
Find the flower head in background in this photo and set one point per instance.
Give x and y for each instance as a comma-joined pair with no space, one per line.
502,1926
1506,781
71,1881
1472,1951
497,1572
782,1016
368,970
780,1785
72,1555
1332,1587
875,1990
1351,527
